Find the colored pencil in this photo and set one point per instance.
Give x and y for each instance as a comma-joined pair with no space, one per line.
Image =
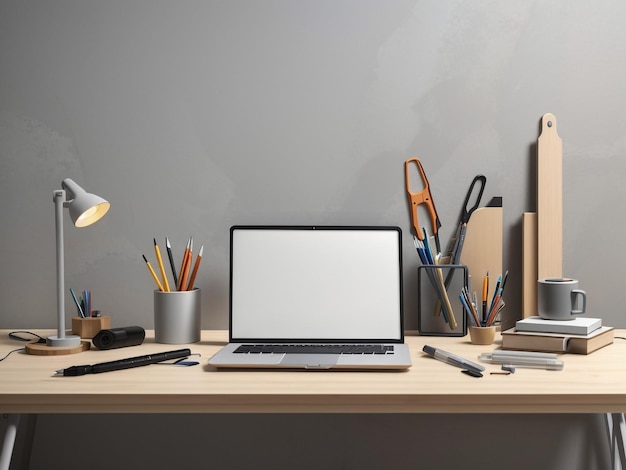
154,276
195,269
184,275
182,265
157,251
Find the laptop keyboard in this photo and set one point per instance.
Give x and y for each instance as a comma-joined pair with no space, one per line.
315,349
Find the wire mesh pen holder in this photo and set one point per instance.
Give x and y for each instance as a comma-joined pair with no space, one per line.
439,309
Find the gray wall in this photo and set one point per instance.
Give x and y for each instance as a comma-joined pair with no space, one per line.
191,116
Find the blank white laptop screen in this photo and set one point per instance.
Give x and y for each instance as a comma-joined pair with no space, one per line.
316,283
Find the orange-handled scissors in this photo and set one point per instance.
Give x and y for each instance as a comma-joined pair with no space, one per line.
422,197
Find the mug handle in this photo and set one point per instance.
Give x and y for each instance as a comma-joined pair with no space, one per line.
583,295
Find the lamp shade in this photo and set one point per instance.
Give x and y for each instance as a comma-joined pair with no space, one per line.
85,208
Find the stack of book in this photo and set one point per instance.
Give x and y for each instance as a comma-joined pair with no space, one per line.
583,335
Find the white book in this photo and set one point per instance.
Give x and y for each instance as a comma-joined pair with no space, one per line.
577,326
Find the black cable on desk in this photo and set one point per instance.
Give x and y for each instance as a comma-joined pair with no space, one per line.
15,335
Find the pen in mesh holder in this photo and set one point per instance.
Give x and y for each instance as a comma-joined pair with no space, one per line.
439,309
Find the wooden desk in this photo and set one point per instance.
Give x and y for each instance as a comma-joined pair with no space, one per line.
588,384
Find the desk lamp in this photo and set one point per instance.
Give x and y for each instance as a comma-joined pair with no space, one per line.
85,209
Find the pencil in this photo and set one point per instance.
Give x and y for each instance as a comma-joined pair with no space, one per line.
470,304
154,276
496,291
439,284
494,309
171,257
445,299
485,293
182,266
185,273
497,301
166,284
467,309
195,269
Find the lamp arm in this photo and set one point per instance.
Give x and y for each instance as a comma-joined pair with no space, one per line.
61,339
59,201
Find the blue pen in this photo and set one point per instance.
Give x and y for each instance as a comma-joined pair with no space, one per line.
80,310
495,293
420,250
87,303
429,253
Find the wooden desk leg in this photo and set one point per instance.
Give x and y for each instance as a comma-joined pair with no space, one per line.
616,427
13,421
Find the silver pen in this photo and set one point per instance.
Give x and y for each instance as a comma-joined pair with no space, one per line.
534,360
452,359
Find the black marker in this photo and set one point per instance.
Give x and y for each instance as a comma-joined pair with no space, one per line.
124,363
452,359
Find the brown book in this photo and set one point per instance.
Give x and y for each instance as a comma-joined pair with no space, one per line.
557,343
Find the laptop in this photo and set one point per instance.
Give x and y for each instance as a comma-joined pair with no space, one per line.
315,297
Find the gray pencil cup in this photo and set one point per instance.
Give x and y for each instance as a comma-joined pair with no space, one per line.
439,284
177,316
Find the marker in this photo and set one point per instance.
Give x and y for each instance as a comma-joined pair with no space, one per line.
123,363
452,359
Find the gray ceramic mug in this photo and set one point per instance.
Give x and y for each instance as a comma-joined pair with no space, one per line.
558,298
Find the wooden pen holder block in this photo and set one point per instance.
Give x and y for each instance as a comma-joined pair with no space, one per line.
89,327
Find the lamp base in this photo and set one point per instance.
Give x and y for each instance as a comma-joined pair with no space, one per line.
65,342
40,349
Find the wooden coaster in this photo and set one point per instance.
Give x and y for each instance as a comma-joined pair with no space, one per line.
41,349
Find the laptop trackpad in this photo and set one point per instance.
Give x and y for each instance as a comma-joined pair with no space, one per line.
310,361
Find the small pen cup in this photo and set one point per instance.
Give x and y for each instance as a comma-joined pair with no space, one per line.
89,327
177,316
482,334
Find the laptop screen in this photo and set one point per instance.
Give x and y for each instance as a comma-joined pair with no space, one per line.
316,283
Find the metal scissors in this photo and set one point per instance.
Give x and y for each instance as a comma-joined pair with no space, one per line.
422,197
456,243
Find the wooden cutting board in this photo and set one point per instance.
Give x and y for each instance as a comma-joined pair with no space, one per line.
482,250
549,200
542,235
529,264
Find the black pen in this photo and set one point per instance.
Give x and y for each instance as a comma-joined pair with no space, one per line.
124,363
171,257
